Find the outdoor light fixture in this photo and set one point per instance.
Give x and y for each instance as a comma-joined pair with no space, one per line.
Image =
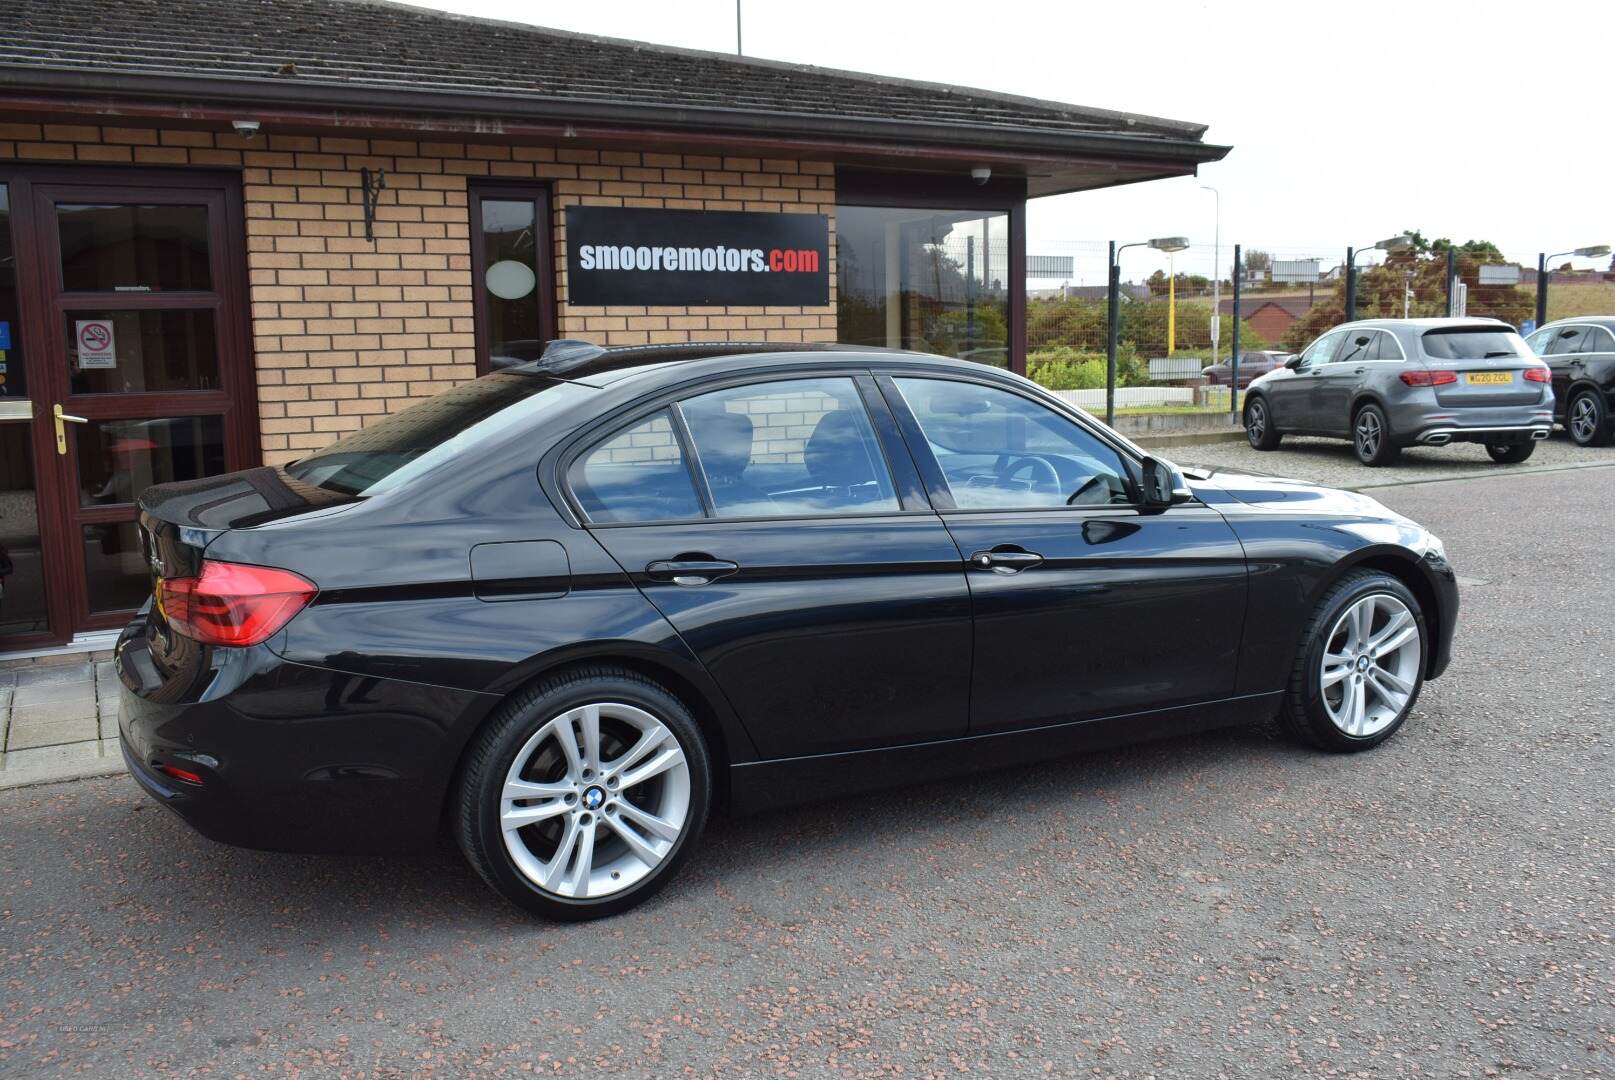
981,174
245,128
1595,251
1168,244
1400,242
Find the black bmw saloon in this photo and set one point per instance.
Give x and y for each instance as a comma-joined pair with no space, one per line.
566,610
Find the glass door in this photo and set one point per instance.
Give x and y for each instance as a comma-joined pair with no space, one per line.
124,299
25,617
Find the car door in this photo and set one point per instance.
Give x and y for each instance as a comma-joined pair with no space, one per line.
765,520
1086,604
1564,354
1290,395
1338,379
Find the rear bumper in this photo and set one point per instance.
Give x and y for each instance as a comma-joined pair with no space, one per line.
291,757
1440,436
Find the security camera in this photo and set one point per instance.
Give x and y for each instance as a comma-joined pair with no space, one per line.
980,175
245,128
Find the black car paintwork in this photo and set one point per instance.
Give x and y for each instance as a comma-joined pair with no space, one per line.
1576,371
844,646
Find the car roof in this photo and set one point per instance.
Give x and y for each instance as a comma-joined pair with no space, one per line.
1435,323
1596,320
601,366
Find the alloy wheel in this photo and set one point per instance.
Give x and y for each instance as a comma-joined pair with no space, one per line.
1370,665
1256,420
1584,419
595,800
1368,434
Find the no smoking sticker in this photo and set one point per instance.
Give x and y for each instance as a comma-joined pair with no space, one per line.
97,346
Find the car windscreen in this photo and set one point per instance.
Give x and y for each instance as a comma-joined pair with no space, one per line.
408,444
1473,343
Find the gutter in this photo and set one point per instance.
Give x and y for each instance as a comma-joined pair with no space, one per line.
493,114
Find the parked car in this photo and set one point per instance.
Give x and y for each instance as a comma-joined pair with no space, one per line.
1580,353
1251,364
1386,384
568,608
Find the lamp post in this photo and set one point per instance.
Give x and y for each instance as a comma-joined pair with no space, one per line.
1216,269
1393,243
1542,260
1167,244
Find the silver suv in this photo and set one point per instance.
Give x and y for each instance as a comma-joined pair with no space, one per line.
1389,383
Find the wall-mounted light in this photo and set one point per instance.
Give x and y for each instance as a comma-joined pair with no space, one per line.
980,175
245,128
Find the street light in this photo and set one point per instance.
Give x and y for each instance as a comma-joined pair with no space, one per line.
1597,251
1168,244
1399,242
1216,269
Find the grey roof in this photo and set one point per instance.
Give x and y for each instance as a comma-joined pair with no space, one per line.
348,53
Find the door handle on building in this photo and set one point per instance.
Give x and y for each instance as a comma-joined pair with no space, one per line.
62,420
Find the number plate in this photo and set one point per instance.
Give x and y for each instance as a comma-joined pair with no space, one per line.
1490,378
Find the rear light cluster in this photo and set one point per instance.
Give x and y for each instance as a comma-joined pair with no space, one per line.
233,604
1429,378
1538,374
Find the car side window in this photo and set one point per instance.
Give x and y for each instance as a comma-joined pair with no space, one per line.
1541,341
1567,340
1599,340
1386,347
1000,451
1321,350
637,474
1360,345
791,448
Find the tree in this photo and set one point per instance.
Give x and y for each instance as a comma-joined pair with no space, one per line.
1422,267
1258,260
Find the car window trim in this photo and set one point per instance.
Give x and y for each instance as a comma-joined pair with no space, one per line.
942,496
630,413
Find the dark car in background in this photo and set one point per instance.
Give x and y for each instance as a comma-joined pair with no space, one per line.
566,609
1387,384
1252,364
1580,353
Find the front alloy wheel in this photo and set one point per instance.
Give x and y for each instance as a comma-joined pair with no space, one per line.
1259,427
1359,665
582,796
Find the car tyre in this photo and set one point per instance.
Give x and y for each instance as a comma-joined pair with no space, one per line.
1393,643
1587,420
1260,427
1371,437
633,793
1510,453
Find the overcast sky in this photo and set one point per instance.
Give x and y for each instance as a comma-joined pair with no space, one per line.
1349,122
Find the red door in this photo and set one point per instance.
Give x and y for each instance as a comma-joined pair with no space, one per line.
134,366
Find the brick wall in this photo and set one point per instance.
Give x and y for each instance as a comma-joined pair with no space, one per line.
344,329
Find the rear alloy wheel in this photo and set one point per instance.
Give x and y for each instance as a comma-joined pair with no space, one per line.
582,797
1510,453
1259,427
1371,437
1587,420
1360,665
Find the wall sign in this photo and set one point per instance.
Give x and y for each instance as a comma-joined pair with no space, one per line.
98,347
696,258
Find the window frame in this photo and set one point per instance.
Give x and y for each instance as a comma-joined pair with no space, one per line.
1558,336
1602,335
906,483
548,282
937,487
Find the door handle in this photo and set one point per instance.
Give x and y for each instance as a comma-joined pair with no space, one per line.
1359,371
690,571
1006,560
62,420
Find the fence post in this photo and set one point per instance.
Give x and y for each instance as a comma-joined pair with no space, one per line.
1112,318
1542,288
1233,348
1351,285
1452,272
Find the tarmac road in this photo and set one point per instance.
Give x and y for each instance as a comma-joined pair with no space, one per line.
1225,905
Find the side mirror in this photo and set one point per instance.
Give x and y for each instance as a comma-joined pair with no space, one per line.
1292,361
1160,485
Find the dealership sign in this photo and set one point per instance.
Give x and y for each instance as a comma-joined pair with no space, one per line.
696,258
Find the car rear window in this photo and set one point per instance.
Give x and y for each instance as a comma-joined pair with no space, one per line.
394,450
1473,343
